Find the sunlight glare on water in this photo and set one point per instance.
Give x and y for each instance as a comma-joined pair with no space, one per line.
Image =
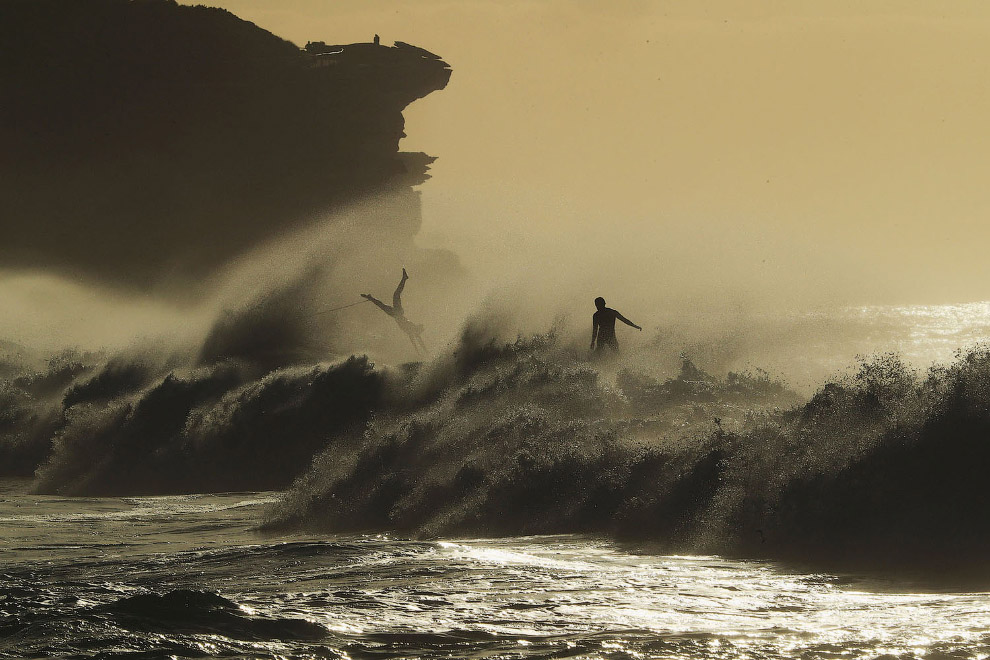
933,332
375,596
744,603
219,588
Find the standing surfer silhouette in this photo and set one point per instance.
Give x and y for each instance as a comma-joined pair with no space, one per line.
412,330
603,328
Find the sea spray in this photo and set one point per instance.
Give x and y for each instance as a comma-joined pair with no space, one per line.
882,468
210,430
527,437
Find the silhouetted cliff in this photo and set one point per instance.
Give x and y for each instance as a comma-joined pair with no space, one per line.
142,138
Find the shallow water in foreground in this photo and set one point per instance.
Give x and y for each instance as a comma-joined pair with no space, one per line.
187,576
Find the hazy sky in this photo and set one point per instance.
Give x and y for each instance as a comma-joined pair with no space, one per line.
827,149
672,155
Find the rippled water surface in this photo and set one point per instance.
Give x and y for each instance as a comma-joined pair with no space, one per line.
187,576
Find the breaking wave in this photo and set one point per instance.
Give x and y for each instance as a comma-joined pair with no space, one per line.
187,611
883,468
210,430
527,436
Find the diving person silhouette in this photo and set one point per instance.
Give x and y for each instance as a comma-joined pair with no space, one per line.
603,328
412,330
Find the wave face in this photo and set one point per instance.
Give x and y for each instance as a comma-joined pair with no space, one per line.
188,611
215,429
880,467
526,438
883,467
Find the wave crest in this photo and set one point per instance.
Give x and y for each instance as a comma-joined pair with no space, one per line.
884,467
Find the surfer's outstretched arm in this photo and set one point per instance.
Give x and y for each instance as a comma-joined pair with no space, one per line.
626,321
594,332
382,306
397,296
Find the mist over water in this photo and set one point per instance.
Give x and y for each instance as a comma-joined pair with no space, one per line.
276,375
290,285
680,448
251,460
508,427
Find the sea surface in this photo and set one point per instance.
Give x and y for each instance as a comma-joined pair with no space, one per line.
807,347
191,577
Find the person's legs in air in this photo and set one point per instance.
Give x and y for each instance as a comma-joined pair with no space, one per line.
382,306
397,296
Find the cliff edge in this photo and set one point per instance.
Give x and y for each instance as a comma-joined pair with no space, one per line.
142,138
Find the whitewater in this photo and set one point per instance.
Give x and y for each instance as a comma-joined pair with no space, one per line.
191,576
508,499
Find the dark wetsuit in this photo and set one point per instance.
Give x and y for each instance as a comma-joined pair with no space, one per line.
603,329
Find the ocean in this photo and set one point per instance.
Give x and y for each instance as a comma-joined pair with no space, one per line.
190,576
512,502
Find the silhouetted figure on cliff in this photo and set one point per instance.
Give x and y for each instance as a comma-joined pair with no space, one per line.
603,328
412,330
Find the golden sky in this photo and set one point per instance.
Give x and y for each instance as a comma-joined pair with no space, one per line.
803,150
